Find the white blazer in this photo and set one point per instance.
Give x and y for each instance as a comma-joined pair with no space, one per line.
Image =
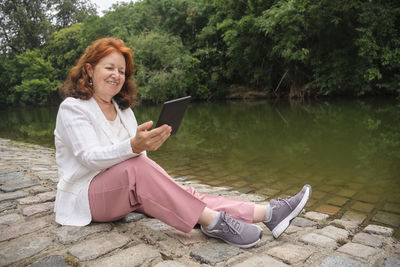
85,146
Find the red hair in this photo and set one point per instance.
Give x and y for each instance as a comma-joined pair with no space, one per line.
77,83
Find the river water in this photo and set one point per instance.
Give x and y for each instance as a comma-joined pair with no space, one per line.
348,150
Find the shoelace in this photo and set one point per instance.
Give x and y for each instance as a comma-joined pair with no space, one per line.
279,200
233,225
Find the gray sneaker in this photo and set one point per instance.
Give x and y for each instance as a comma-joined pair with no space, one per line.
234,232
285,209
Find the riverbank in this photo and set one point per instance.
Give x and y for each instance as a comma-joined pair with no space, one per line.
29,235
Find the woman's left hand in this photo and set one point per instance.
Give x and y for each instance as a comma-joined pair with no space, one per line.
149,140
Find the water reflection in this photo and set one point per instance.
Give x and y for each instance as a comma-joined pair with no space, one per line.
348,150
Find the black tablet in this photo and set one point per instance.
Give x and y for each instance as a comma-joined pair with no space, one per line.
172,113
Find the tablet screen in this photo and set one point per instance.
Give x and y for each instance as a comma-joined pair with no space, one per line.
172,113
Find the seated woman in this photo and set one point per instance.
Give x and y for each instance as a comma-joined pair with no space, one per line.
104,172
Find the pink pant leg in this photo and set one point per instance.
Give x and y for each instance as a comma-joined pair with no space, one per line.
140,183
241,210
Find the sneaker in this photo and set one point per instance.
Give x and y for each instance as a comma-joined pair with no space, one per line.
286,209
234,232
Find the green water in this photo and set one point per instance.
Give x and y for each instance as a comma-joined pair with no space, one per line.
349,151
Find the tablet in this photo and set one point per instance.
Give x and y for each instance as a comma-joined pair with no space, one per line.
172,113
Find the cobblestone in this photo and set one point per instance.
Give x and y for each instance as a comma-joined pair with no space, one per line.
9,218
52,261
392,262
133,217
302,222
17,230
335,261
134,256
290,253
358,250
257,261
318,240
35,209
316,216
369,240
214,253
22,250
334,232
7,206
387,218
94,248
379,230
12,195
69,234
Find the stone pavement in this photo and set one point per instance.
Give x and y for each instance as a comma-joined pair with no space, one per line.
30,237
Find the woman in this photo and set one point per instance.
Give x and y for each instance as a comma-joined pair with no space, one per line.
104,172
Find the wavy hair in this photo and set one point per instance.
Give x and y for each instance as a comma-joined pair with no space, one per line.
77,83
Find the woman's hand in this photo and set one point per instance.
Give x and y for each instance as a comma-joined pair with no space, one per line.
149,140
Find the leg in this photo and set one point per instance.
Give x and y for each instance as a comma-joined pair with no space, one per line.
140,184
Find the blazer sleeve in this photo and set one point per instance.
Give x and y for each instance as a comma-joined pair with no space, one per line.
76,129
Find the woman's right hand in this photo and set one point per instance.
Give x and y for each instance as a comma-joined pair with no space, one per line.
149,140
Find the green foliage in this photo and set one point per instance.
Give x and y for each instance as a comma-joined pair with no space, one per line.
38,80
164,67
203,48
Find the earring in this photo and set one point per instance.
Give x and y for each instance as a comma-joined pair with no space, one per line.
90,82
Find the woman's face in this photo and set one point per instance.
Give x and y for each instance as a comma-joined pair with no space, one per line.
108,75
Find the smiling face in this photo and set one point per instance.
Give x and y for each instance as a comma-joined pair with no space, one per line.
108,75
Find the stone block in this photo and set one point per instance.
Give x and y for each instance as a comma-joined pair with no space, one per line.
9,218
346,192
354,216
134,256
94,248
368,239
327,209
337,201
316,216
11,187
387,218
358,250
12,195
264,260
7,206
42,197
348,225
194,236
70,234
335,261
391,207
169,263
302,222
290,253
368,197
133,217
363,207
12,253
38,208
52,261
392,262
214,253
379,230
156,225
317,194
334,232
319,240
17,230
11,176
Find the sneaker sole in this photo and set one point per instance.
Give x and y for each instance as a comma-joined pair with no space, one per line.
281,227
233,244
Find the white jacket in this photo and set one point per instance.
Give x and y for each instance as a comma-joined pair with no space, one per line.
85,146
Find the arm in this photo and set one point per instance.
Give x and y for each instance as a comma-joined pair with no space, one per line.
76,129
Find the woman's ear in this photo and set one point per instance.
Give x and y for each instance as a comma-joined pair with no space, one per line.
89,70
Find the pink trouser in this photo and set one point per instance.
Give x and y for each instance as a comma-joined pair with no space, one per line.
140,184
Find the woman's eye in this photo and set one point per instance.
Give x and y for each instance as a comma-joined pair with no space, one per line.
122,72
